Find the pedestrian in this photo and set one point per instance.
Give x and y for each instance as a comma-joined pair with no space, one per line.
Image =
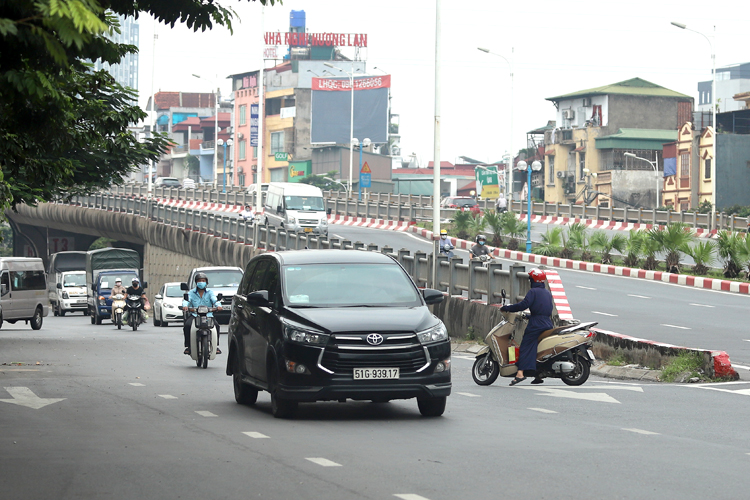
501,205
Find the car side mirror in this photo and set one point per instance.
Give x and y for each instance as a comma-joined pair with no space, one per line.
59,285
432,296
184,287
259,298
158,296
219,296
280,209
329,211
145,285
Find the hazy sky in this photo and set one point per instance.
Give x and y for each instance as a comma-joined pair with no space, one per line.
558,47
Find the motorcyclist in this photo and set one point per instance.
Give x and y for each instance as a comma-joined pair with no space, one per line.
136,289
200,296
480,248
247,213
446,248
118,288
538,301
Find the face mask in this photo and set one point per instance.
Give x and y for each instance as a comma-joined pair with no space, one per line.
481,242
444,237
201,285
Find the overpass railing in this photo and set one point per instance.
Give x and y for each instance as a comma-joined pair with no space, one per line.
473,280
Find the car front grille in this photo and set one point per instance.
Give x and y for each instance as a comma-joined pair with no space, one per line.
309,222
347,351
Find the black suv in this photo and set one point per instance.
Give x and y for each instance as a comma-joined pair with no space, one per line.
322,325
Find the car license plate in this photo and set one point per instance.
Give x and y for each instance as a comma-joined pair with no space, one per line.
375,373
308,230
591,355
82,301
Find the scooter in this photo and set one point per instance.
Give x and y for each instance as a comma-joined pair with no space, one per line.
134,311
118,308
204,336
563,352
447,250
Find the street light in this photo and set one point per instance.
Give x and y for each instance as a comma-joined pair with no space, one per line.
221,142
351,120
713,106
535,166
364,143
653,164
216,131
509,166
337,182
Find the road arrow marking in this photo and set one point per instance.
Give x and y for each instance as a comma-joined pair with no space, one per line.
323,462
137,384
585,287
22,396
541,410
641,431
702,305
588,396
412,496
615,387
256,435
204,413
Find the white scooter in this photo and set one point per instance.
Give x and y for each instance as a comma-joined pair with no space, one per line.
118,308
204,336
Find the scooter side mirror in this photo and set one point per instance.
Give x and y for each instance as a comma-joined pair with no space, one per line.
219,296
503,294
184,287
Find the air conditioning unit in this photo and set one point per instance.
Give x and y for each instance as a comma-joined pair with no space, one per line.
560,174
586,102
569,114
240,135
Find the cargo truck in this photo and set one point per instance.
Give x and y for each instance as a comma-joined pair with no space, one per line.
103,267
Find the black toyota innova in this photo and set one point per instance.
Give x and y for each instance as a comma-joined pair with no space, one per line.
322,325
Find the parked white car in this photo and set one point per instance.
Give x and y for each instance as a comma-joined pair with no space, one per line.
167,303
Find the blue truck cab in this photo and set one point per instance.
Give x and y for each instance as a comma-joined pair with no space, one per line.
103,267
103,285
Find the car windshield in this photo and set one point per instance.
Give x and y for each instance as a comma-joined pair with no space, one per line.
349,285
74,280
109,280
224,279
466,202
174,291
304,203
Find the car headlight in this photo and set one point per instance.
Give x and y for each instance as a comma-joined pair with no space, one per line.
168,306
304,336
65,295
102,301
292,220
434,334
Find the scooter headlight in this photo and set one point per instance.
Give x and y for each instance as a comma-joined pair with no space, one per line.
434,334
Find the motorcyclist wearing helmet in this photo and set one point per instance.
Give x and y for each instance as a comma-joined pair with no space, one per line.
538,301
446,248
136,289
199,296
480,248
118,288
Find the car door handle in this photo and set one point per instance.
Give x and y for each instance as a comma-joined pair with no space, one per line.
240,306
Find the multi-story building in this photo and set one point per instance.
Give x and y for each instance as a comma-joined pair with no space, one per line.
126,71
585,159
730,81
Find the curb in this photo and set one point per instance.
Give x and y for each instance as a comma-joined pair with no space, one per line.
626,373
610,225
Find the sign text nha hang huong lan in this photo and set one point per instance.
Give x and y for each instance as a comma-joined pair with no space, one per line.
316,39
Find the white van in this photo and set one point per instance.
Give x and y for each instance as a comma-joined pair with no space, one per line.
296,207
23,291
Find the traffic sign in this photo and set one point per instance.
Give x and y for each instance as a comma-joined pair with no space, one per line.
365,169
365,180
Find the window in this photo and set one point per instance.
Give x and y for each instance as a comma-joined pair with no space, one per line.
28,280
271,283
5,282
244,287
243,114
257,280
707,168
243,147
273,106
551,163
277,142
255,153
685,164
581,165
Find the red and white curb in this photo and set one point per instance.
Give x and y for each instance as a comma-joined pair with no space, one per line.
608,225
371,223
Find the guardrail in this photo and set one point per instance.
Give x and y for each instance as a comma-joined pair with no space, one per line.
473,280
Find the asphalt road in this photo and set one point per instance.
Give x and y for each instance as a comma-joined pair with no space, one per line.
136,419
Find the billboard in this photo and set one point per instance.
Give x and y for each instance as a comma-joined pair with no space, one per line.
331,109
487,182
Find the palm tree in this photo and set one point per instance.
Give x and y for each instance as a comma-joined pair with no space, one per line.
579,239
673,240
513,228
477,225
730,250
552,243
650,247
600,241
634,247
494,221
461,222
703,256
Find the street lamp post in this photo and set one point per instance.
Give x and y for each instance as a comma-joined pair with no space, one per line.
221,142
509,167
351,120
713,108
337,182
362,144
655,166
216,130
535,166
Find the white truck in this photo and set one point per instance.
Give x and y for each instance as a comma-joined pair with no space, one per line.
66,282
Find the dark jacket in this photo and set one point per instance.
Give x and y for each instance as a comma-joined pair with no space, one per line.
539,302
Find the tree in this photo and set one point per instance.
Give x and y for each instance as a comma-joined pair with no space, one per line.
731,251
703,256
552,243
514,228
63,126
673,240
318,180
494,222
600,241
634,248
477,225
461,221
579,239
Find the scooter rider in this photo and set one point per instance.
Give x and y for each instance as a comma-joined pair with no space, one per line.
539,302
200,296
480,248
445,244
135,289
118,288
247,213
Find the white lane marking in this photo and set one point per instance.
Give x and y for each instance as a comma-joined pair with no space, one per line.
641,431
412,496
585,287
676,326
256,435
609,387
541,410
638,296
743,367
167,396
324,462
715,384
702,305
603,313
137,384
469,395
561,393
204,413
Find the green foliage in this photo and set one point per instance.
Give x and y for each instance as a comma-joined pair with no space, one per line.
461,220
733,251
703,254
101,243
704,207
578,234
551,244
672,240
737,210
689,363
193,164
514,228
6,240
634,248
494,222
477,225
604,244
320,181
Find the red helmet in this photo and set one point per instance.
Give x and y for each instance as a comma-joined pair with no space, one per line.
537,275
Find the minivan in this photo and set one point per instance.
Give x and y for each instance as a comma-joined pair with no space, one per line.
332,325
23,291
296,207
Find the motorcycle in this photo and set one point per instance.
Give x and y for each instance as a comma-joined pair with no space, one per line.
563,352
447,250
118,308
204,336
133,311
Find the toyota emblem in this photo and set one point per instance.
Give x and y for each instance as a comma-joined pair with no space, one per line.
374,339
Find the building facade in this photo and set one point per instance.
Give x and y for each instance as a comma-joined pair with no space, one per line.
730,81
126,71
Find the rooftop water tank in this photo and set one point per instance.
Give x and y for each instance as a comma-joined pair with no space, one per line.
297,21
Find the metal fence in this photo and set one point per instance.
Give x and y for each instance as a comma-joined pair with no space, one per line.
474,280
